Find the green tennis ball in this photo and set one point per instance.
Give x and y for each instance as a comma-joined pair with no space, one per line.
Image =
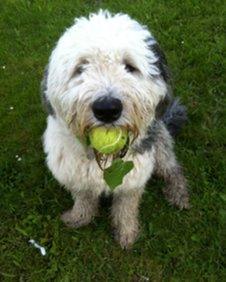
108,140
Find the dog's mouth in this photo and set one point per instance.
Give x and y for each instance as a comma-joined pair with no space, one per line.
104,159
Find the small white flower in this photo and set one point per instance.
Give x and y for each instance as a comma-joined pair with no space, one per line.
144,278
19,159
36,245
16,156
11,108
182,42
3,67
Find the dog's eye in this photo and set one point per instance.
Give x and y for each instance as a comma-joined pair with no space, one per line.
80,67
79,70
129,68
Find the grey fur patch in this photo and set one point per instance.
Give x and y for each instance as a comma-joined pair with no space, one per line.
46,103
175,117
161,65
148,141
161,62
163,105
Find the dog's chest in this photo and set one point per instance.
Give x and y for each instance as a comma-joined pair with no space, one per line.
89,175
69,163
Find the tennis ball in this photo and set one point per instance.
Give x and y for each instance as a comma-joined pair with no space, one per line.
108,140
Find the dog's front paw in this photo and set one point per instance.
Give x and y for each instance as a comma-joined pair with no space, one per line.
75,219
126,237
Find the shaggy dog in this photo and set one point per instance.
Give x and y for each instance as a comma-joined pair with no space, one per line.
108,70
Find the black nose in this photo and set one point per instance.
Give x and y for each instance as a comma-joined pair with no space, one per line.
107,109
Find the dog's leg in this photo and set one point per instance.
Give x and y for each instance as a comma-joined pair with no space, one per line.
166,166
125,217
84,209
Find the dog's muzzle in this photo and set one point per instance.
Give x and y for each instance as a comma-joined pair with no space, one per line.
107,109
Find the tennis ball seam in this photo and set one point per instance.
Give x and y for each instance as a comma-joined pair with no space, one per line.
113,144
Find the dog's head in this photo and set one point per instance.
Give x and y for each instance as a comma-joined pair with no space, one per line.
106,70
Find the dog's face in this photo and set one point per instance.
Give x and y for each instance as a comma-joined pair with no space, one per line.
103,71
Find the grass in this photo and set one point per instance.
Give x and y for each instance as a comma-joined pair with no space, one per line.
174,245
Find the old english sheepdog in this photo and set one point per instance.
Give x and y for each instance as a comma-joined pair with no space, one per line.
108,70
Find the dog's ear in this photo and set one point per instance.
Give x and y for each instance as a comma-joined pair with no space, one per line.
45,101
162,66
161,62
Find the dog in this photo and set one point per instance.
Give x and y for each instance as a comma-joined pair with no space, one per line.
108,70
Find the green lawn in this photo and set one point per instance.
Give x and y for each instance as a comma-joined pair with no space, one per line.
174,245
